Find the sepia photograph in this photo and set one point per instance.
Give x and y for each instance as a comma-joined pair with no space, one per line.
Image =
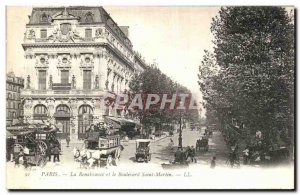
150,97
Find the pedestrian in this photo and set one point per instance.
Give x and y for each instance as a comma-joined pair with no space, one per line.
68,140
49,151
17,159
56,152
193,154
213,162
188,151
177,155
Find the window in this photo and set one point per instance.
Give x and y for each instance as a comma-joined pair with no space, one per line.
89,17
87,77
13,115
64,76
42,80
43,34
44,18
40,112
88,33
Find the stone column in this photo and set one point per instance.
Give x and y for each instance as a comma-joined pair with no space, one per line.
74,119
109,79
98,110
28,111
113,84
50,103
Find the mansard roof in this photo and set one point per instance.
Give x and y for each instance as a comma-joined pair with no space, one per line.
45,15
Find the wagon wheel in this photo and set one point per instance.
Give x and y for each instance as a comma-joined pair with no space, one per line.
43,147
42,161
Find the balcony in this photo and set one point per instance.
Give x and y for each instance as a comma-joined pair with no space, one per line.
64,92
40,116
61,86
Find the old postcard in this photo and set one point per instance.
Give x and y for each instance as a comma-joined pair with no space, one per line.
150,97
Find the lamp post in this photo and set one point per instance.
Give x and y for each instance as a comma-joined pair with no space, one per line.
180,133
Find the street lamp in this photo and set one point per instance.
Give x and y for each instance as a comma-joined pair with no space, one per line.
180,133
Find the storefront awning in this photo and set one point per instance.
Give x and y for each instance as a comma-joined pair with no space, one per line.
122,121
112,121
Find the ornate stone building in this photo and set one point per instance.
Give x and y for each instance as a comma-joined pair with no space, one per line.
75,58
14,108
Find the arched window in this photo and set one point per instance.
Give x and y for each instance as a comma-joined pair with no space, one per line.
85,109
62,110
40,112
44,18
89,17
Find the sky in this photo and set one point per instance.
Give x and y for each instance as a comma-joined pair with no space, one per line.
174,37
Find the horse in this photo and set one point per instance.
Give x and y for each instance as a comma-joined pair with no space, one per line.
202,143
88,158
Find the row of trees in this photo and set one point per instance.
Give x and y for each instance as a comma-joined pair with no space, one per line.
153,81
248,78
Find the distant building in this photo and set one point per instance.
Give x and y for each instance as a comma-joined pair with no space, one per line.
75,57
14,108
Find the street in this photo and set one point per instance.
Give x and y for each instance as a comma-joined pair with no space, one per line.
159,149
67,168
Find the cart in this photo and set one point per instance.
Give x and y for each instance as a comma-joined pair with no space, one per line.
35,142
102,148
142,153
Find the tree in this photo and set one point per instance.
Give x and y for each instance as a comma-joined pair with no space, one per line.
153,81
253,67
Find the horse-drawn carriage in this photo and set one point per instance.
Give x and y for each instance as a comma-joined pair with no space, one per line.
263,154
99,148
142,150
33,143
179,162
202,143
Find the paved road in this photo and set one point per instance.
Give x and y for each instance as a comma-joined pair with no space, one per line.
161,153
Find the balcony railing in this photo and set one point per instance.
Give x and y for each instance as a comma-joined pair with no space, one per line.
61,86
40,117
67,92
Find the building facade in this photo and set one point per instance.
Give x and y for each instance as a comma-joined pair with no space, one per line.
76,57
14,108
